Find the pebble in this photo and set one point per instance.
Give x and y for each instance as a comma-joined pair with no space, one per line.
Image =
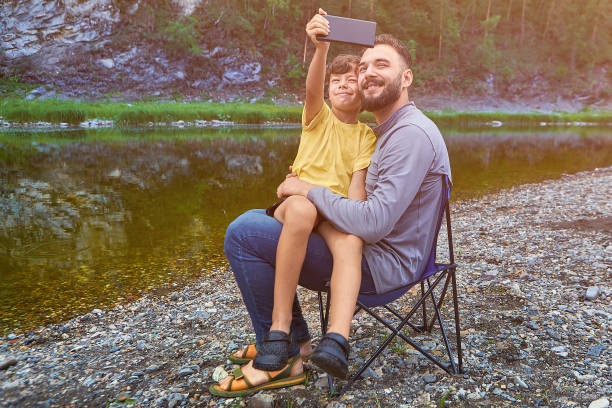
584,378
322,382
369,373
474,396
515,290
4,364
561,351
123,396
518,381
595,351
592,293
219,374
187,371
261,401
600,403
429,378
11,385
489,275
152,368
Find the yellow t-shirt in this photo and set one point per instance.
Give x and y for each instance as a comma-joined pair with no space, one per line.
331,150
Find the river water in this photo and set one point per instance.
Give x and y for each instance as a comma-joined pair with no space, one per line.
89,218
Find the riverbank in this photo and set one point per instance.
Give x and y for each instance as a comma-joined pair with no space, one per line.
44,113
534,283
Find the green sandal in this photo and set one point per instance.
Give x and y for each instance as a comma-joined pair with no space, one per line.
240,385
246,354
249,352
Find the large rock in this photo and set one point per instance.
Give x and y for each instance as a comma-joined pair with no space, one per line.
245,74
29,26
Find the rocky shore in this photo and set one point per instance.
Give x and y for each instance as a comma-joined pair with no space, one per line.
534,273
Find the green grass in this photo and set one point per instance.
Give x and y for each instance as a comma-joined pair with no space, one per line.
16,109
529,119
130,114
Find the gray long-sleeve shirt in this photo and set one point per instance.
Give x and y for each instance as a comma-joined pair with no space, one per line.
404,189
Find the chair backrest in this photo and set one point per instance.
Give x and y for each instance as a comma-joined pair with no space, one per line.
430,268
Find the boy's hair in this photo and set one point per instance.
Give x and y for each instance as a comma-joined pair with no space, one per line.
342,64
397,45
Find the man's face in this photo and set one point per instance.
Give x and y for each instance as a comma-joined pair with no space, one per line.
344,91
380,77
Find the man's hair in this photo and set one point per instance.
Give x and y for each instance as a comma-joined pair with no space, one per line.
397,45
342,64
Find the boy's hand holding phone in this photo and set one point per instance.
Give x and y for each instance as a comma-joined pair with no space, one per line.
318,26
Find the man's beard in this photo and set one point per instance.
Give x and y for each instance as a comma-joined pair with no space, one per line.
390,94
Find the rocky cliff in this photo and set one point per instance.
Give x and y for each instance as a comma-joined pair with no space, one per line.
80,48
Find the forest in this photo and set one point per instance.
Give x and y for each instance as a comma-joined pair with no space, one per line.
460,45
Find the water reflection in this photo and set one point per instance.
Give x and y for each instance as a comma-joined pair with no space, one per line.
89,217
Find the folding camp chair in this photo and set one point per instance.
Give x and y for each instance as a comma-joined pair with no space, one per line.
433,271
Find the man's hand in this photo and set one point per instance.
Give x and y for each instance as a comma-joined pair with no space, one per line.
293,186
318,25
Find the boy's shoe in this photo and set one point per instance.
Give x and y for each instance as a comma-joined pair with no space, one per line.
272,355
240,385
243,356
331,355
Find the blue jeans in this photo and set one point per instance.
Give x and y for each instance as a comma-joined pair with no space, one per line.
250,247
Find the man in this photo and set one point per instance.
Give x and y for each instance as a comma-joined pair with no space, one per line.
397,221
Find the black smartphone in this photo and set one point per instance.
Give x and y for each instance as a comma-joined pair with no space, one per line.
350,31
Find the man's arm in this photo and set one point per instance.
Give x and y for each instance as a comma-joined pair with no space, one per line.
403,163
315,80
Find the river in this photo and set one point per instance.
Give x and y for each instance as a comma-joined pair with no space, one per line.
89,218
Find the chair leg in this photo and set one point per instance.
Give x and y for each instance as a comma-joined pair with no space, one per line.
424,306
443,329
442,295
324,317
457,324
322,314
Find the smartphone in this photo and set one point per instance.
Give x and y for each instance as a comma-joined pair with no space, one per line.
350,31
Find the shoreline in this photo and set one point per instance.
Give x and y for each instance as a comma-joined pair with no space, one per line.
526,257
52,113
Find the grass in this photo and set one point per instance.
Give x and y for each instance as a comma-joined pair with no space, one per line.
130,114
16,109
529,119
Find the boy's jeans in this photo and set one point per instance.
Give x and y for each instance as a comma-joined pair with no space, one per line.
250,247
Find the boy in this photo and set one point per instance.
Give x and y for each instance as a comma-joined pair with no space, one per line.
334,152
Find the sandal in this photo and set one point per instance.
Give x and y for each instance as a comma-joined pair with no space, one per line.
244,356
273,352
331,355
240,385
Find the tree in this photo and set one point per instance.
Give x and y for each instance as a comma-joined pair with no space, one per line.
523,23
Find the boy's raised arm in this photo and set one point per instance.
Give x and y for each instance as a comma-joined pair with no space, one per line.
315,80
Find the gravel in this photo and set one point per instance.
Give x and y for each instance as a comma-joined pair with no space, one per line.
533,334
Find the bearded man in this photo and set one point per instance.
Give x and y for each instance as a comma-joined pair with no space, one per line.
397,221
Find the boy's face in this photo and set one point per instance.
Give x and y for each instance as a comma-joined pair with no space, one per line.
344,91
